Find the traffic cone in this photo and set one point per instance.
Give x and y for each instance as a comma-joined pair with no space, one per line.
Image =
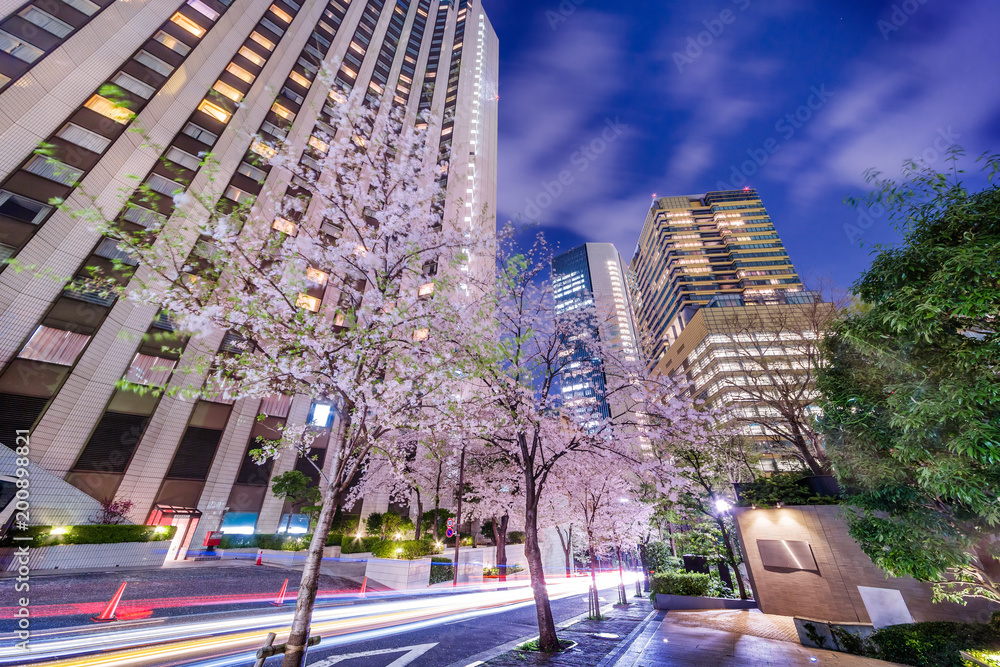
364,584
281,595
109,612
260,557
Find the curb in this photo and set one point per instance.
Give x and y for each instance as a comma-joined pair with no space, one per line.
643,631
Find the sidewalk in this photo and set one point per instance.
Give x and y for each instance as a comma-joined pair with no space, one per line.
727,638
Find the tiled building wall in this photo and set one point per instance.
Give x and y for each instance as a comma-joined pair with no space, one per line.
831,594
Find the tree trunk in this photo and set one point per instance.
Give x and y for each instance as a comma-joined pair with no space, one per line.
420,515
622,596
500,540
645,564
799,440
548,642
732,557
437,502
567,546
309,582
458,513
288,524
670,533
595,600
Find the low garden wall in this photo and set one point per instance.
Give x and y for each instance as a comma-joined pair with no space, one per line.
399,575
88,556
692,602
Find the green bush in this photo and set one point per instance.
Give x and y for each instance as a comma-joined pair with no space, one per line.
91,534
682,583
495,571
273,541
357,545
660,558
440,572
515,537
403,549
785,488
932,644
334,539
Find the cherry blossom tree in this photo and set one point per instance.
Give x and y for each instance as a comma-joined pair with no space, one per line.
495,496
336,294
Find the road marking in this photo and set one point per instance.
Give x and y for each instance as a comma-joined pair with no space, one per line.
413,652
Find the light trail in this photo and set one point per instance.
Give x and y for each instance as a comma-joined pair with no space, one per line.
186,641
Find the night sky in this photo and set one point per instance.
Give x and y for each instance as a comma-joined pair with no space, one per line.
624,99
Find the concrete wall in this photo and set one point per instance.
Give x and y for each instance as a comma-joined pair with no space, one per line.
89,556
831,593
400,575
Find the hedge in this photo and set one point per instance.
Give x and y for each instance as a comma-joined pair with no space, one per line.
91,534
357,545
403,549
931,644
440,572
682,583
275,541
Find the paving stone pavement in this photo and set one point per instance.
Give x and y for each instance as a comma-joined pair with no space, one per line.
590,650
730,638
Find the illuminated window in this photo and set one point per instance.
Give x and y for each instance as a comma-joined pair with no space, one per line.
421,334
263,41
310,303
281,14
425,290
282,111
262,149
203,9
285,225
251,171
172,43
237,195
225,89
187,24
216,112
240,73
316,276
320,415
319,144
348,72
299,79
252,56
338,97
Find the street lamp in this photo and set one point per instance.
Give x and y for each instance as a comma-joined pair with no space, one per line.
722,505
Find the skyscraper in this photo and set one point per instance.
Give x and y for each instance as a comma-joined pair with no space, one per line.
229,77
591,277
698,247
719,303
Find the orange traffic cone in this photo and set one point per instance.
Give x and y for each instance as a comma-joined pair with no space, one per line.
260,557
109,612
364,584
281,595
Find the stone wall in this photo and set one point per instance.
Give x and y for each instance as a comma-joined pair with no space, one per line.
89,556
831,591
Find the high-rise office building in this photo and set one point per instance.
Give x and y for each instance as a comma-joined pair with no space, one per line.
227,77
719,303
591,278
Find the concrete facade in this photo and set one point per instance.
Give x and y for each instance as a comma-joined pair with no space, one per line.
831,592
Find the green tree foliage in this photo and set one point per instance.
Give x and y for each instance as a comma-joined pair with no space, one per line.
911,397
297,489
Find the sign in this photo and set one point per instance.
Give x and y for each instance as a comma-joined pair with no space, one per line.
451,522
450,532
213,538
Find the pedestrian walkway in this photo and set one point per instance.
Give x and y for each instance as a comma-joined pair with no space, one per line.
729,638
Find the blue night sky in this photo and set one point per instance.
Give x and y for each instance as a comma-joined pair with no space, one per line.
664,114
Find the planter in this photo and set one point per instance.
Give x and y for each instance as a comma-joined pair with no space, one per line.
400,575
89,556
690,602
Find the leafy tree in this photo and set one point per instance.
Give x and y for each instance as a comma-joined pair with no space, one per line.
297,489
911,397
114,512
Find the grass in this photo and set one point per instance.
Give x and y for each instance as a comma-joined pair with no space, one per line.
533,645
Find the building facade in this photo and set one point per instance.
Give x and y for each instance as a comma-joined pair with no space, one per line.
591,278
228,77
719,303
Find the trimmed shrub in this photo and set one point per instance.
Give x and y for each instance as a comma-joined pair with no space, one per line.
515,537
660,558
441,570
932,644
403,549
495,571
357,545
334,539
91,534
682,583
275,542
